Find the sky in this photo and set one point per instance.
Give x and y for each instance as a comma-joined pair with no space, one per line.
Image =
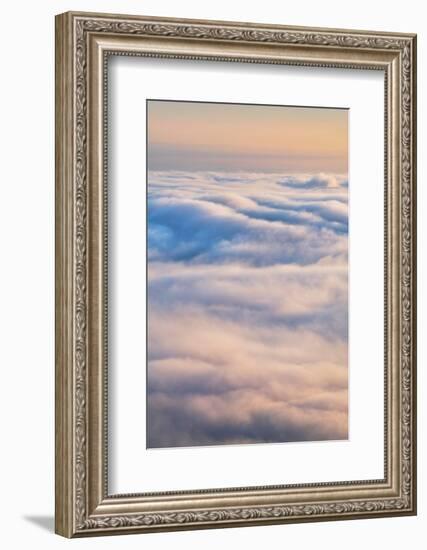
192,136
247,294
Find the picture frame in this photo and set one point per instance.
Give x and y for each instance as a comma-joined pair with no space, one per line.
84,43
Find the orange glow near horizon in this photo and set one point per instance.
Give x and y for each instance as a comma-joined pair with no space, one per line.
266,138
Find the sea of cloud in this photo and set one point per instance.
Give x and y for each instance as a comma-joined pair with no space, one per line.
247,308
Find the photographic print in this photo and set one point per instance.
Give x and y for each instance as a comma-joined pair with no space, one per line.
228,333
247,274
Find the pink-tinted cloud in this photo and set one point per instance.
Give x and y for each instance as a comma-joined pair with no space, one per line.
247,310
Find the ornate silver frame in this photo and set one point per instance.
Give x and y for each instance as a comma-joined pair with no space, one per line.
83,43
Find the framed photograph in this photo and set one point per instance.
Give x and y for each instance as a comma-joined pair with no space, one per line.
235,274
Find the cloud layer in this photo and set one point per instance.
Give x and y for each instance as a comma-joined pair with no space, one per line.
247,308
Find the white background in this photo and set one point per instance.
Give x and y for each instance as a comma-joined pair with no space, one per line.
27,275
133,468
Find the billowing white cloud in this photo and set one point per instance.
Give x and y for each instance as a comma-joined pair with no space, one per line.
247,309
318,181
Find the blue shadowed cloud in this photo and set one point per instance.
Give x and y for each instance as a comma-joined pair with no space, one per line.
247,308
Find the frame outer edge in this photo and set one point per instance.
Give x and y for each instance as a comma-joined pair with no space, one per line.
414,271
64,390
233,24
